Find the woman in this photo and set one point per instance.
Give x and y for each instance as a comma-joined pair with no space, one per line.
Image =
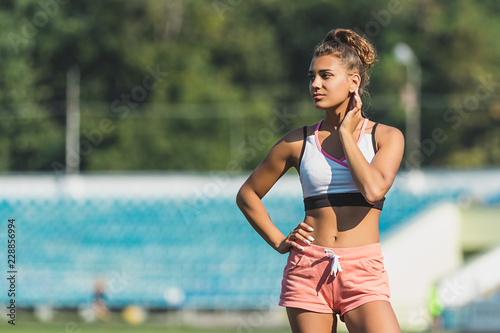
335,265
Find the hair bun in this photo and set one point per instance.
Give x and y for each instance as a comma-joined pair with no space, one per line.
363,48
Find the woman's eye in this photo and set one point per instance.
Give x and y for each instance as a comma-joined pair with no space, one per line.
324,76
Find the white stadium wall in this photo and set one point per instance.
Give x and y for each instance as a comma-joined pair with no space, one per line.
416,256
475,280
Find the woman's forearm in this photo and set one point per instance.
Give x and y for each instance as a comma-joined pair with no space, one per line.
256,214
367,178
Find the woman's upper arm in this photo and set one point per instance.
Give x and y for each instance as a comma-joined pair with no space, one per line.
282,156
387,160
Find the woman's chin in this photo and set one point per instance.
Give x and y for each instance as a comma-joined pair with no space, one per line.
319,106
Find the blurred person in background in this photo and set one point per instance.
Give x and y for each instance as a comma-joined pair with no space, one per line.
436,309
346,164
101,311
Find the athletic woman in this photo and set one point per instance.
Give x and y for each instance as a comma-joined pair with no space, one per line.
346,163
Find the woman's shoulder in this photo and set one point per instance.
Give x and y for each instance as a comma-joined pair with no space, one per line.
385,132
291,144
381,128
297,134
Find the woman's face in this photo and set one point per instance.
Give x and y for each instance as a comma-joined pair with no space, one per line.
329,82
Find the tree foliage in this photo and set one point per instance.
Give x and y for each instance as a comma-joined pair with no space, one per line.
212,85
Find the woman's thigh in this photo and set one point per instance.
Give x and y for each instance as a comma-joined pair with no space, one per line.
303,321
372,317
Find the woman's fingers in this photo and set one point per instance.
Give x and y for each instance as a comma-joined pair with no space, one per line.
287,244
298,236
304,236
356,103
306,226
297,246
359,103
302,233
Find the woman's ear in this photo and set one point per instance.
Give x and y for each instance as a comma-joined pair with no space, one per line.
356,81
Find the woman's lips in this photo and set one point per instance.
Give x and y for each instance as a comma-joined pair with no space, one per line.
318,96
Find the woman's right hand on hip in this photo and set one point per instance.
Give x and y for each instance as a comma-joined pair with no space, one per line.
301,232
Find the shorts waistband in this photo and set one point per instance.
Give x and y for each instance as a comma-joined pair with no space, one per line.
348,253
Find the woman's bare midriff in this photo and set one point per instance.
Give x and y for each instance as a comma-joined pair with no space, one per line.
342,227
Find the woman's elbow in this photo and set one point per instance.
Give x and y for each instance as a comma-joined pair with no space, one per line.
374,195
241,198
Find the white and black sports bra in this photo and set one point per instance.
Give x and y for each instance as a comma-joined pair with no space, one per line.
327,181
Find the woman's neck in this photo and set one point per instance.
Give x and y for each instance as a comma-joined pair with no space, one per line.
332,120
334,117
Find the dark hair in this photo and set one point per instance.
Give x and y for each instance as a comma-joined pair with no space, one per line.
354,51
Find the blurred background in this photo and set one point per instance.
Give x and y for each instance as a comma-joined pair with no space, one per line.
127,128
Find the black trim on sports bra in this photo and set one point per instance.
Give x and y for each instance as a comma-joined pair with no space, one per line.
373,138
303,144
339,199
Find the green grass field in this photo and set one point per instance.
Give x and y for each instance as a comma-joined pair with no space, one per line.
34,327
69,322
115,328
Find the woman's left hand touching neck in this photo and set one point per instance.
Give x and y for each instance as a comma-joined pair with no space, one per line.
352,117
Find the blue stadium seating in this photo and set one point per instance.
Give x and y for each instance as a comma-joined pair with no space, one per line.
493,199
477,316
200,256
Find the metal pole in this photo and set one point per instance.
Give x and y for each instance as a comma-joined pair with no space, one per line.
73,120
413,154
405,55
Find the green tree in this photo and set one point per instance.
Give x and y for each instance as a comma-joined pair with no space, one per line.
191,85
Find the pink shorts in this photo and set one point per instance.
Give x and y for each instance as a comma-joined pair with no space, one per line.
334,280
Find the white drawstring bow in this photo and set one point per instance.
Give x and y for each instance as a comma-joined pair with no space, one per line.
335,262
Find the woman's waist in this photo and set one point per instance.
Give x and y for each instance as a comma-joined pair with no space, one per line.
347,253
344,226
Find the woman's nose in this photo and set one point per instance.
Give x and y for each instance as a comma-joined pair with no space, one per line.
316,82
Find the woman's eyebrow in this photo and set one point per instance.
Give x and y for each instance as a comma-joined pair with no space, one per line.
323,70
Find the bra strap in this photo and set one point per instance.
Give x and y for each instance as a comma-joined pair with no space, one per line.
365,122
303,144
374,143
